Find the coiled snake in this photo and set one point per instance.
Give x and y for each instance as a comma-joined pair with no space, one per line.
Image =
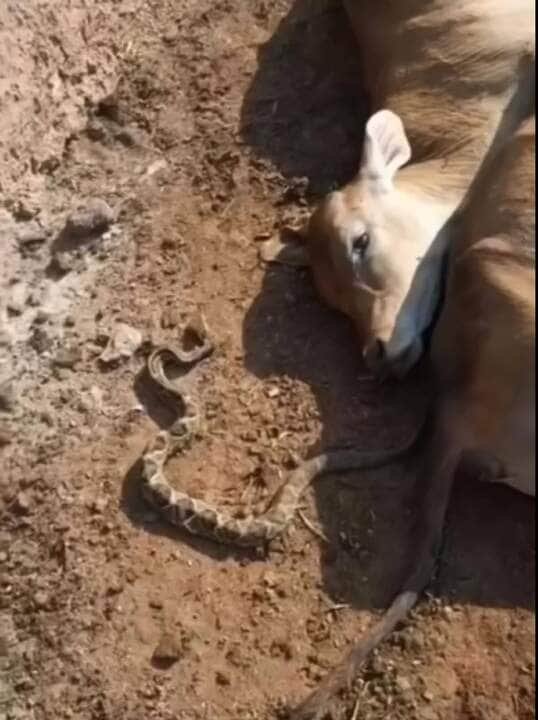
198,517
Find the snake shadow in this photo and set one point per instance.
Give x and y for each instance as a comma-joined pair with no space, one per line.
305,113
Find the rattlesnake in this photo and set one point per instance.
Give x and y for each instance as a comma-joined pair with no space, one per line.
198,517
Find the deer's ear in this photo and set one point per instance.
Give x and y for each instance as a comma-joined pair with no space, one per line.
386,147
287,248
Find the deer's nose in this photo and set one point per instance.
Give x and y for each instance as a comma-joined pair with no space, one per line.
375,355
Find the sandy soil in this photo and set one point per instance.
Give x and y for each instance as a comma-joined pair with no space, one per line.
205,125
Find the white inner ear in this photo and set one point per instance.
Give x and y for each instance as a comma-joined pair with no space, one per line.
386,147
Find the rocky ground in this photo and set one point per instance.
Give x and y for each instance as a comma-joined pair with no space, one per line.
146,148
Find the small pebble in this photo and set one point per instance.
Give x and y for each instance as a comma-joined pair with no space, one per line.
95,131
156,167
403,684
99,505
22,504
64,262
428,713
126,137
170,318
122,343
270,579
95,216
31,235
41,317
41,599
115,588
40,341
169,649
22,211
222,678
68,357
171,34
17,298
47,418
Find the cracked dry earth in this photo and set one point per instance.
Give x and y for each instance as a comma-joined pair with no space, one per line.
184,132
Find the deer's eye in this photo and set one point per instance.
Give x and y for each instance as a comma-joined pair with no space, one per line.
359,246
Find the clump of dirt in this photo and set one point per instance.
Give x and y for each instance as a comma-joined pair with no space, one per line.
198,128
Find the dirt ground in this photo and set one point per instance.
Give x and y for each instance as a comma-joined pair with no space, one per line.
205,125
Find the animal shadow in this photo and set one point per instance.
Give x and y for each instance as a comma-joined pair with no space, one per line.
302,110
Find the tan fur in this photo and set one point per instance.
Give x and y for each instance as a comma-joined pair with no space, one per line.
483,358
483,348
460,75
447,67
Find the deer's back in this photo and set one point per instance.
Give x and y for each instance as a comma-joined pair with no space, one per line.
447,67
484,344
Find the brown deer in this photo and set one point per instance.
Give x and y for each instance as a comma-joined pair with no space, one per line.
482,418
440,74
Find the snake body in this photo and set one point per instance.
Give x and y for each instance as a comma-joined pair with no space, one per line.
200,518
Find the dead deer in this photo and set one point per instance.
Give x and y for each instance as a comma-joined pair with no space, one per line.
483,366
440,75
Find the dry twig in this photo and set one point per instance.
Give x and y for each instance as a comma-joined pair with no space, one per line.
313,529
